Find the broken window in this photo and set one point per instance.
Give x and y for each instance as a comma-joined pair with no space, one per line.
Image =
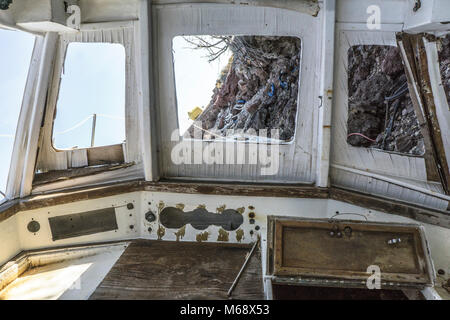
91,103
444,64
380,111
15,60
237,87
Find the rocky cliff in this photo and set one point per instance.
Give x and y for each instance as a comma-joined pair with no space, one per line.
258,88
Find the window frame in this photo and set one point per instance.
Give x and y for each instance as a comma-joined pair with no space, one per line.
405,167
279,142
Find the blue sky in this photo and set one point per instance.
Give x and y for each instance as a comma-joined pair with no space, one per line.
15,55
93,82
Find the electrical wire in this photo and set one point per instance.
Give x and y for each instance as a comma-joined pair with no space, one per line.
360,134
86,119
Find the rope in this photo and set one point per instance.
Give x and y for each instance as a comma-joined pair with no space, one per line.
214,134
75,126
361,135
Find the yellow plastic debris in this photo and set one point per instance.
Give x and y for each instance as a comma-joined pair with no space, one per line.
194,113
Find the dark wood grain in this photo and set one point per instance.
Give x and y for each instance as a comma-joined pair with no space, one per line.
12,207
181,270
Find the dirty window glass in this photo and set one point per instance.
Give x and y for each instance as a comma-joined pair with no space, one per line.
237,87
90,111
15,57
380,110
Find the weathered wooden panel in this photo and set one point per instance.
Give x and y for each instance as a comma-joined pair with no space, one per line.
181,270
345,249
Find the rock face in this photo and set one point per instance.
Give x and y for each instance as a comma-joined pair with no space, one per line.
374,73
444,63
257,90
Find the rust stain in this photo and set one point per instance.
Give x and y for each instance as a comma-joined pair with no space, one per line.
202,236
221,208
223,235
251,207
180,233
239,235
240,210
161,232
201,206
180,206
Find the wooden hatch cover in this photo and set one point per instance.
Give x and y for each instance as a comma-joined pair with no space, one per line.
340,252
